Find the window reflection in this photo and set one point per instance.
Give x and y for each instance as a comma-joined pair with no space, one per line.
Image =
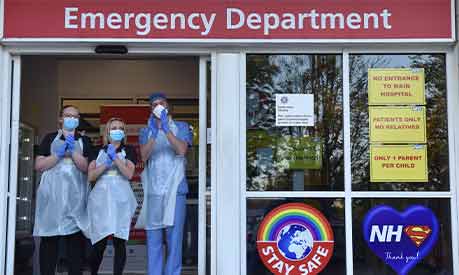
273,152
437,131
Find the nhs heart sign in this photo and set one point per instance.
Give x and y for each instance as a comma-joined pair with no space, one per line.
403,239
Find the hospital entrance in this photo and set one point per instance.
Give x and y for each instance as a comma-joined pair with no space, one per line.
102,88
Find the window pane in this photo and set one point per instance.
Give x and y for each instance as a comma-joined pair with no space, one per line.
294,158
332,209
436,120
439,259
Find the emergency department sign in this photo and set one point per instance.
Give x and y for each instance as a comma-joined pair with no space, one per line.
295,239
401,240
328,20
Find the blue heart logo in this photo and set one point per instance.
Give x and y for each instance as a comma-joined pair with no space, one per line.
401,240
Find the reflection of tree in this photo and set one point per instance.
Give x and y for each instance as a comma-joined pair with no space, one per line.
268,75
437,127
360,149
437,135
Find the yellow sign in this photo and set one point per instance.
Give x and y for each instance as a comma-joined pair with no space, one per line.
396,87
398,163
397,124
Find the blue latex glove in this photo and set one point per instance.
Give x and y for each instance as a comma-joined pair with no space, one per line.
60,151
153,127
111,152
164,122
108,162
70,142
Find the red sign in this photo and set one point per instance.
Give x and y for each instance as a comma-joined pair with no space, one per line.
228,19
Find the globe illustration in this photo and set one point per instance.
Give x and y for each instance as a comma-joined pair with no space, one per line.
295,242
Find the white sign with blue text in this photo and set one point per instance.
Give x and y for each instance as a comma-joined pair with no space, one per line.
294,110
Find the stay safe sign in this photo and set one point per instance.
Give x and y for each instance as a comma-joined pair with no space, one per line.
295,239
227,19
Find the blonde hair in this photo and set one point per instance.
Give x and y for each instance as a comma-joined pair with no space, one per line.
109,125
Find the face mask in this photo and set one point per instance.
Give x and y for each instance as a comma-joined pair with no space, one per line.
70,123
158,110
116,135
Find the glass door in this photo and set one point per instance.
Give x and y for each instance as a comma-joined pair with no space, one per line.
204,196
17,193
293,160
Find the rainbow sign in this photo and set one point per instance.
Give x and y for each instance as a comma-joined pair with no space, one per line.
295,213
295,237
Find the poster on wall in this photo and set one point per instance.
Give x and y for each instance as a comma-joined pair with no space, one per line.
397,124
401,86
294,239
294,110
398,163
401,240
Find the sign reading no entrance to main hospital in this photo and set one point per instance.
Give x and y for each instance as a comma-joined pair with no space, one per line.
295,239
397,86
249,20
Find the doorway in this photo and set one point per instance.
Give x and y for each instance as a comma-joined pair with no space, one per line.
101,88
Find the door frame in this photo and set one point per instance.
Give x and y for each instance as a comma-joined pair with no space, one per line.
10,73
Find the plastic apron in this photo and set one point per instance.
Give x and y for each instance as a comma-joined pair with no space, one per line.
111,203
61,196
161,177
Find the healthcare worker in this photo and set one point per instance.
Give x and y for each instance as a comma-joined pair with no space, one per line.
61,195
163,145
111,202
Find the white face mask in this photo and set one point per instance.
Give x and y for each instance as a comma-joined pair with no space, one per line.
158,110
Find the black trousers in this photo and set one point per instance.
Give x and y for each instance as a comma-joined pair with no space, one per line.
49,249
97,255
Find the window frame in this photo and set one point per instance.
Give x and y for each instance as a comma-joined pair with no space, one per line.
452,86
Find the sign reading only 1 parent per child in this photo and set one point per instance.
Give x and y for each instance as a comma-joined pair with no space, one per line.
397,124
396,87
398,163
294,110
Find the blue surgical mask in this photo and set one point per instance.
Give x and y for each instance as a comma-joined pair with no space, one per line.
116,135
70,123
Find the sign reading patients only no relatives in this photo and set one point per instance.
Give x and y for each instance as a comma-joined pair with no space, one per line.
294,110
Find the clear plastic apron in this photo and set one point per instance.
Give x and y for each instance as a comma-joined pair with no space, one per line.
111,203
61,196
160,180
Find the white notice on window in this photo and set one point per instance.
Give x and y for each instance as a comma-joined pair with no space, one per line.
294,110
